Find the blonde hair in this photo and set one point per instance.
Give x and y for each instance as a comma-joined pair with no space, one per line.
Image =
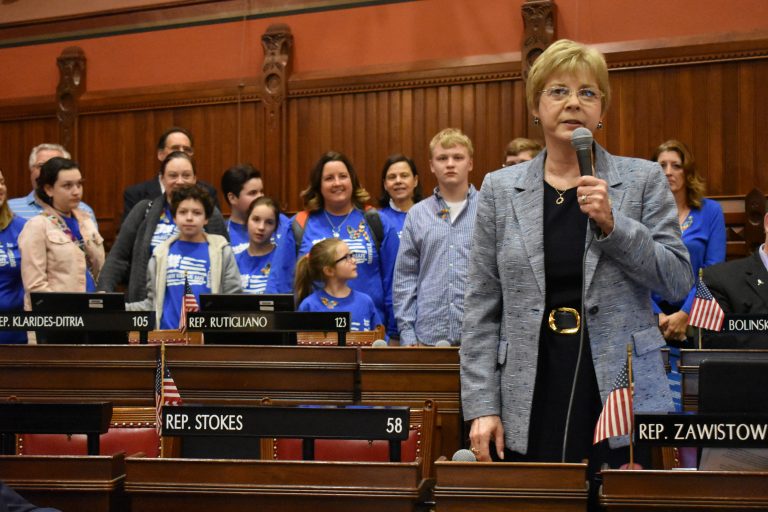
694,183
450,137
309,268
566,56
520,144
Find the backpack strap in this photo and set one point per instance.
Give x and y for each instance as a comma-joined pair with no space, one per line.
298,227
373,219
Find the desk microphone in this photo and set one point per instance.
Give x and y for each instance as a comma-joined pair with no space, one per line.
464,455
379,343
443,344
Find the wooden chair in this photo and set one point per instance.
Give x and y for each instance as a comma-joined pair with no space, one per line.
132,430
418,446
353,338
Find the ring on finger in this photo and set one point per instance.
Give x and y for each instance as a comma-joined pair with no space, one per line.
474,450
583,198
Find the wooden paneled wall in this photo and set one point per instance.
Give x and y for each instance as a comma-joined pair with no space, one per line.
709,94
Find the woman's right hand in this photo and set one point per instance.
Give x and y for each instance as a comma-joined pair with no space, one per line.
484,430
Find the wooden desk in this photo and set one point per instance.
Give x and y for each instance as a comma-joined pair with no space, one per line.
501,486
71,484
689,369
673,491
125,375
409,376
162,485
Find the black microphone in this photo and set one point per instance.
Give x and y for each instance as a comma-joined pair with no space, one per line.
581,140
464,456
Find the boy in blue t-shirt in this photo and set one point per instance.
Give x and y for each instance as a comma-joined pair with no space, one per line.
204,261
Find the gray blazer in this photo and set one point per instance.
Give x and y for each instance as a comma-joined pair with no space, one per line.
506,290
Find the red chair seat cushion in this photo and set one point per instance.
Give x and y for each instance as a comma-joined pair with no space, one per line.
127,439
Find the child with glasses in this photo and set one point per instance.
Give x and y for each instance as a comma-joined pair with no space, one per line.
331,263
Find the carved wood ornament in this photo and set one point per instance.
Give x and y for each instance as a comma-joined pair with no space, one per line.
538,31
278,46
71,86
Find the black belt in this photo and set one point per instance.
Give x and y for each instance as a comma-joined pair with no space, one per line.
564,320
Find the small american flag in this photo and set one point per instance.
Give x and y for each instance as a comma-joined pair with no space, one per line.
616,417
166,392
705,312
188,305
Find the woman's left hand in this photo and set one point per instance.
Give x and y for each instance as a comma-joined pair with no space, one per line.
677,324
592,194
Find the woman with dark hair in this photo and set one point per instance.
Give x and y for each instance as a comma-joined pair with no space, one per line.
400,189
61,249
11,286
149,224
703,226
335,208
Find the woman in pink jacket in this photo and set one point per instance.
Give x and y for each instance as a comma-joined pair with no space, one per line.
61,249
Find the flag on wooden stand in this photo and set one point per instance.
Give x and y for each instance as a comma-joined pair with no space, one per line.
188,305
166,392
616,417
706,313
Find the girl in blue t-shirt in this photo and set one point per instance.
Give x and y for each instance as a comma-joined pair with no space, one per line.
331,263
255,262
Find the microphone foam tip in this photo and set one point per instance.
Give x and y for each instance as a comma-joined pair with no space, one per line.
464,455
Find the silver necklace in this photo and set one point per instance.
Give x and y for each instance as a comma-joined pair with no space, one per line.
336,230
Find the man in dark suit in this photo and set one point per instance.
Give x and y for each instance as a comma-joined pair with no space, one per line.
12,502
173,139
741,288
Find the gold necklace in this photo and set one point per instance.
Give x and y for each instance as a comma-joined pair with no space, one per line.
560,193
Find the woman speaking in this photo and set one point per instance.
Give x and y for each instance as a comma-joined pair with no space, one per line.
560,280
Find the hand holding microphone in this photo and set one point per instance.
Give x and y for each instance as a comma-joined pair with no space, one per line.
592,192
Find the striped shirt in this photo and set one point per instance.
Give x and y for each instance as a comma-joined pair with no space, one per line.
431,271
26,207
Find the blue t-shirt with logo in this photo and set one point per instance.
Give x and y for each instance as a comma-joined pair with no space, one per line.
165,229
363,315
254,271
238,236
190,259
374,268
11,286
395,218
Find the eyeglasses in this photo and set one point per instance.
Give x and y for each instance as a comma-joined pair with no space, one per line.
562,93
348,257
178,147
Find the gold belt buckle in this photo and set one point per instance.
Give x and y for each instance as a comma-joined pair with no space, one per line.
568,330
